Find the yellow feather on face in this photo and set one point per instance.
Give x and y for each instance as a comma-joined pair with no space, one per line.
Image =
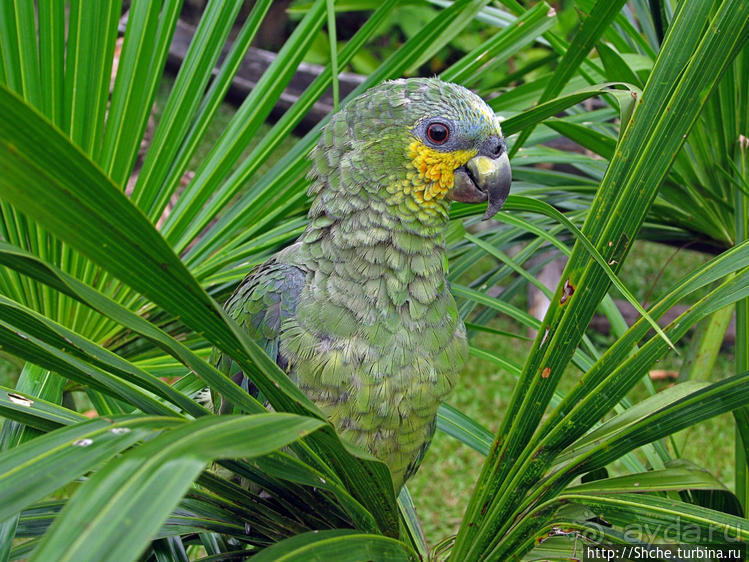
436,170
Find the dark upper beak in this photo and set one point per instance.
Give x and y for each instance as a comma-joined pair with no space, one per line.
486,176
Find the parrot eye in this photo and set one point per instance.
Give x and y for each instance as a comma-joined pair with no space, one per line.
438,133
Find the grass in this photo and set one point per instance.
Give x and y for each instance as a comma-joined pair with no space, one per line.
652,268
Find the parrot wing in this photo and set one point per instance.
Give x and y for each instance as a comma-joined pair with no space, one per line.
260,304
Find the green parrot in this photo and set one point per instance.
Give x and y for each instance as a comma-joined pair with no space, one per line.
358,311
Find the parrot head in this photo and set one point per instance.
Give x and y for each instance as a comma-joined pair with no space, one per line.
461,132
419,143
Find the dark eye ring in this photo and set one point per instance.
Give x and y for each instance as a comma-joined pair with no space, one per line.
438,133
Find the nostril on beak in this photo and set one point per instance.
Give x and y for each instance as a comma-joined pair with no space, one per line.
495,147
501,148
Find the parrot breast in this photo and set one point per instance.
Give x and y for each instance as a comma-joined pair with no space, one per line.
377,342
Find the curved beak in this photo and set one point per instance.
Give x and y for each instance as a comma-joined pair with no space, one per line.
483,179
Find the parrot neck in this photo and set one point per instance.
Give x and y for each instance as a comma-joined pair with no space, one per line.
376,255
